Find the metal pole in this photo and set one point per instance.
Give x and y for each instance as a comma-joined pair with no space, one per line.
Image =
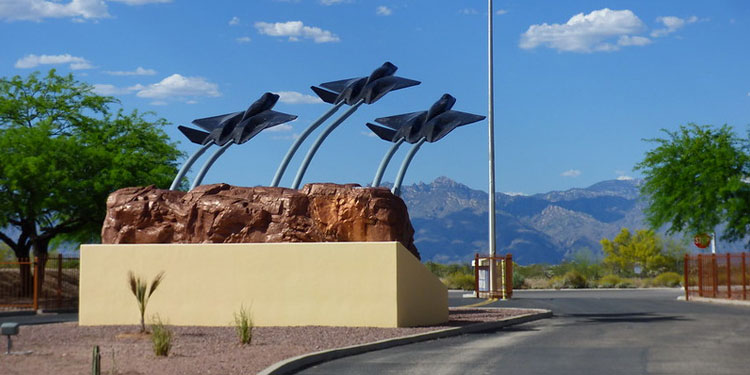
292,150
208,164
744,278
700,275
713,243
319,141
396,190
491,140
685,269
384,163
476,275
187,165
729,276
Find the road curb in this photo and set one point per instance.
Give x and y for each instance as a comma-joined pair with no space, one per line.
295,364
717,301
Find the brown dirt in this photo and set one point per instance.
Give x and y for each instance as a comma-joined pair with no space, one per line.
66,348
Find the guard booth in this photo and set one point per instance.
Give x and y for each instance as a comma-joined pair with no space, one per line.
503,286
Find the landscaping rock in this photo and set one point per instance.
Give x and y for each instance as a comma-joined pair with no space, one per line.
222,213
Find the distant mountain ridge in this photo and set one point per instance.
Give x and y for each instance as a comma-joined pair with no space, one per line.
451,222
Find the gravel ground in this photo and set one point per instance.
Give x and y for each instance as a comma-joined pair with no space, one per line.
66,348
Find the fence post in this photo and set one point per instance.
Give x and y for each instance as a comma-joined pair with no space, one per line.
59,280
35,302
685,270
729,276
476,273
715,278
509,274
700,275
744,278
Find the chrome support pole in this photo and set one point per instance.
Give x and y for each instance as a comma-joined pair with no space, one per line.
384,163
208,164
319,141
491,145
396,190
187,165
292,150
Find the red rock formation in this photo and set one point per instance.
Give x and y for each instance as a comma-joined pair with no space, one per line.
223,213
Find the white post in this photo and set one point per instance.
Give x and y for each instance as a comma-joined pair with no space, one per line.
713,243
491,130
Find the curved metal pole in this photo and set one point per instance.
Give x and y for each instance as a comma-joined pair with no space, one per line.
209,163
384,163
187,165
292,150
401,172
319,141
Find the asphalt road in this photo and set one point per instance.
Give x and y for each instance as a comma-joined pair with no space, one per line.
593,332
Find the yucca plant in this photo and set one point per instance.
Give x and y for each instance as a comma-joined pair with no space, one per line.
243,323
161,337
143,292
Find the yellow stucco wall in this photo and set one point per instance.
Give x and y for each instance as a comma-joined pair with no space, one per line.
376,284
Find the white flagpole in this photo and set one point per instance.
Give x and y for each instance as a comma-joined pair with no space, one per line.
491,130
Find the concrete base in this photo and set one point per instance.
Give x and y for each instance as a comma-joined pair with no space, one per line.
375,284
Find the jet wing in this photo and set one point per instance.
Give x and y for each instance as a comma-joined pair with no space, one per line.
444,123
325,95
338,86
195,136
251,127
384,133
211,123
387,84
398,121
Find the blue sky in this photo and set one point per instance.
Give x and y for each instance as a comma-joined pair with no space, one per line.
578,84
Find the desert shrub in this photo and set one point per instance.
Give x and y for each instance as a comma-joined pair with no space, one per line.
537,283
668,279
574,279
161,337
459,280
556,282
243,324
609,281
143,292
519,281
445,270
625,283
532,271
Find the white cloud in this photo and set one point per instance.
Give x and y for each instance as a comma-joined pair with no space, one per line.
627,40
107,89
468,11
280,128
571,173
179,86
158,102
243,39
234,21
500,12
383,11
37,10
624,178
587,32
32,61
369,134
295,30
293,97
672,24
139,71
141,2
333,2
515,194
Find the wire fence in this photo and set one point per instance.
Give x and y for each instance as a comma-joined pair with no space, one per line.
33,284
717,276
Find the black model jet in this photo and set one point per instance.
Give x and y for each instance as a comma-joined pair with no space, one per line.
368,89
431,125
238,127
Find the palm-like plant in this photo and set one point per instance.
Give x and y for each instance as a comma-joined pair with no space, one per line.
143,292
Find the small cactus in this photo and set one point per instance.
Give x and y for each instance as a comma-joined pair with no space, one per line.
96,359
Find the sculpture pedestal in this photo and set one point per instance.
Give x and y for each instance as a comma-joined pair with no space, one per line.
375,284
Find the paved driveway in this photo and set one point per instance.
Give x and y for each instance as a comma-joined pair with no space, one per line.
593,332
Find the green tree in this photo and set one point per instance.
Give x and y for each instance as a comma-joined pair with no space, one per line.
643,248
63,153
694,181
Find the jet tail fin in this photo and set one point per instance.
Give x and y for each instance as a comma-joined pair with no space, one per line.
383,133
195,136
327,96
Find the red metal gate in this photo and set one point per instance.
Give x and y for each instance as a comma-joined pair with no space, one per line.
717,276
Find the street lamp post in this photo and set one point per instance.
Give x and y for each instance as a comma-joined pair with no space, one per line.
491,149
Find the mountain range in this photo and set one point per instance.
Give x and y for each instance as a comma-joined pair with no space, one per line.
451,222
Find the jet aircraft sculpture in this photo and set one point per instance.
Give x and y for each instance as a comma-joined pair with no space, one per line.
228,129
354,92
417,128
